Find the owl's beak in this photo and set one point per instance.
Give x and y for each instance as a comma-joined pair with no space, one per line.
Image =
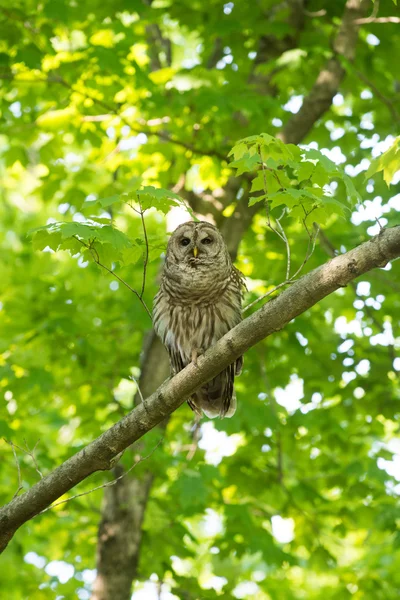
195,251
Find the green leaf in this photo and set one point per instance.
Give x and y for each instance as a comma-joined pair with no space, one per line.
238,151
254,199
85,232
43,238
246,164
305,170
353,194
326,163
103,202
159,198
388,162
289,198
59,232
56,118
132,255
113,236
258,183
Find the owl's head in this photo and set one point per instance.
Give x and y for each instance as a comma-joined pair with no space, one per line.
197,243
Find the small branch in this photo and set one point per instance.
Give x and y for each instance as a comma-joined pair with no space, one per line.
378,94
32,455
138,388
10,443
317,13
107,484
126,285
312,238
278,233
196,431
310,249
287,282
146,254
143,401
372,16
278,222
96,259
378,20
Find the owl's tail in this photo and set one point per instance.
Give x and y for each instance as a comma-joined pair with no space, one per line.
217,398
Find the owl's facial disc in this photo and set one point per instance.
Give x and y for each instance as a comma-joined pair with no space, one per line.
197,244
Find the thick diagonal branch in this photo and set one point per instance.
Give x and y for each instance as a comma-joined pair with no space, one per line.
271,317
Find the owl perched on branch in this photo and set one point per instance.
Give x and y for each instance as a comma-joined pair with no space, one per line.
199,301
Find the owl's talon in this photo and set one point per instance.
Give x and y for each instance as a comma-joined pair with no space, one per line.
195,354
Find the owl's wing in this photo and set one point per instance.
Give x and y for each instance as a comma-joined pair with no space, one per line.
175,360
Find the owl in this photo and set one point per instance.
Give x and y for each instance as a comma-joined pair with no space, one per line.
199,301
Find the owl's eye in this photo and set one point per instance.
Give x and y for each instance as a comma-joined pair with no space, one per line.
206,240
185,241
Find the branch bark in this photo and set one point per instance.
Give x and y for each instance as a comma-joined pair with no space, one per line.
271,317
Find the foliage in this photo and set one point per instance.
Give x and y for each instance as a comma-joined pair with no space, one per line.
297,495
297,178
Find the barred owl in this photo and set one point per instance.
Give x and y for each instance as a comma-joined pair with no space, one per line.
199,301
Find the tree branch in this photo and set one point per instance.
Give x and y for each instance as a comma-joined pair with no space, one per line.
378,20
272,317
327,84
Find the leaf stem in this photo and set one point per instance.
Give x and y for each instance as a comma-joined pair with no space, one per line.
96,259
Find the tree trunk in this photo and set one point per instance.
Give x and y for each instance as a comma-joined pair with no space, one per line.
124,504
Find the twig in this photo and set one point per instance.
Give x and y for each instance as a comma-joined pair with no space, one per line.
10,443
196,430
317,13
96,259
32,455
146,254
104,485
378,94
372,15
312,238
266,192
287,282
378,20
310,249
143,401
278,222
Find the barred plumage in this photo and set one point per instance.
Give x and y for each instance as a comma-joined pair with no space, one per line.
198,302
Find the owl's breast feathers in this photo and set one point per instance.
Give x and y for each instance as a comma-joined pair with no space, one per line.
193,318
